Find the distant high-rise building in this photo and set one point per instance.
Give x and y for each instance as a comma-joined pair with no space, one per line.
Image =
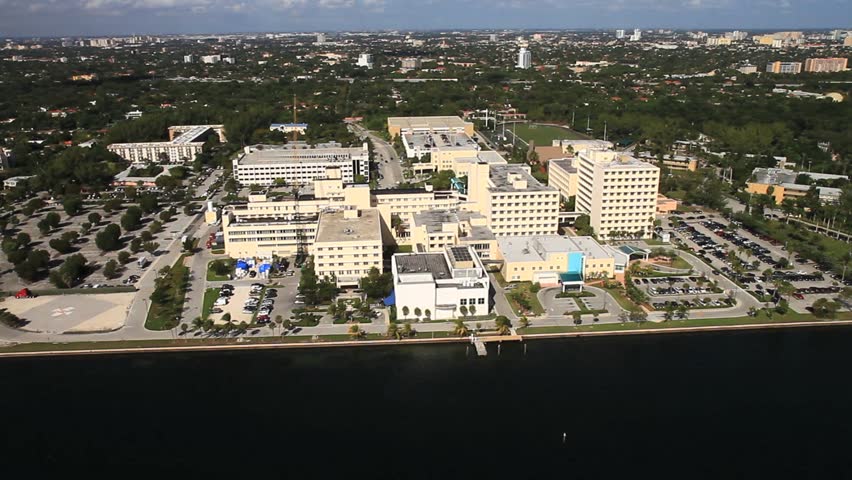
836,34
619,34
188,59
524,58
365,60
229,60
492,38
637,35
825,65
320,38
784,67
847,42
211,59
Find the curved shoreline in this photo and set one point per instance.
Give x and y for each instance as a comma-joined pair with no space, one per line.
415,341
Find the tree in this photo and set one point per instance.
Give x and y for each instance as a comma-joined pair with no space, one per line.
85,228
417,312
624,316
71,272
73,205
34,266
377,285
33,206
427,313
23,240
132,219
355,332
43,227
393,331
124,257
94,218
472,310
638,316
53,219
824,308
146,236
503,325
524,321
149,203
60,245
189,244
111,269
463,311
405,312
151,247
165,216
155,227
669,312
682,312
197,323
183,328
136,245
109,238
578,317
407,330
460,328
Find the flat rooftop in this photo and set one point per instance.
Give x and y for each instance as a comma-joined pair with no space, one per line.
615,160
779,176
564,164
427,123
445,141
533,249
271,155
334,227
434,220
434,263
501,178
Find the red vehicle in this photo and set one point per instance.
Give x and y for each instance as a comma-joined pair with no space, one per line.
799,296
24,293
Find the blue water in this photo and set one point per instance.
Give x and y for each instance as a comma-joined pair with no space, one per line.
720,405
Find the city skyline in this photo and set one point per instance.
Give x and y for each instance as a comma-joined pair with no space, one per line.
120,17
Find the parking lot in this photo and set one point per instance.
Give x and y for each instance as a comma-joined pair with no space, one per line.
761,262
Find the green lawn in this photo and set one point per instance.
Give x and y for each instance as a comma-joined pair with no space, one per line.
211,275
168,298
523,288
681,264
543,135
621,298
210,296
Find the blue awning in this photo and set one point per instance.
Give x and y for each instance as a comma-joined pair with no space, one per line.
390,299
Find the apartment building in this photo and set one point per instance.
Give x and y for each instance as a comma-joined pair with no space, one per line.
348,244
298,163
440,286
512,200
411,63
411,125
618,192
182,148
553,260
562,174
784,67
826,65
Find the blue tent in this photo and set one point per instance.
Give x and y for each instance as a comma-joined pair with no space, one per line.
242,265
390,300
264,267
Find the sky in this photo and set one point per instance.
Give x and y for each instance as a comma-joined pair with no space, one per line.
119,17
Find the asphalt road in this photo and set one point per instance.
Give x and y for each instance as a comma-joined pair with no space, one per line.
389,163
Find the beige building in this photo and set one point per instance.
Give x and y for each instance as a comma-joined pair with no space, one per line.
562,174
183,148
348,244
618,192
298,163
781,184
552,260
572,147
512,200
410,125
784,67
825,65
435,230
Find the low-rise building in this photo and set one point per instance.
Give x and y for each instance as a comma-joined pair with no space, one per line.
411,125
781,184
13,182
182,148
298,163
299,128
666,205
348,244
435,230
553,260
573,147
440,286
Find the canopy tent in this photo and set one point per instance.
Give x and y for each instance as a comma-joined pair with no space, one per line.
390,299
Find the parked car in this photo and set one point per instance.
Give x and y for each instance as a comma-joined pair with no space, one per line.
216,310
221,301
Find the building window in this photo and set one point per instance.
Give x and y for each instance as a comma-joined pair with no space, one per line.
463,301
480,301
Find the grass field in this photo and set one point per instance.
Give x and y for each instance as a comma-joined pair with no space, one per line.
213,277
167,300
210,296
544,135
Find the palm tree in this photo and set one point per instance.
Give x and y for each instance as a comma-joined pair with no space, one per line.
427,313
472,310
393,331
405,311
503,324
524,321
407,331
417,312
197,323
461,329
682,312
463,310
183,328
355,332
669,313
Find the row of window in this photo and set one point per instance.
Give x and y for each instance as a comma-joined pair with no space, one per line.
471,301
355,247
343,264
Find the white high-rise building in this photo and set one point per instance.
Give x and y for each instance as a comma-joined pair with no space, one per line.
211,59
320,38
619,34
637,35
492,38
524,58
618,192
188,59
365,60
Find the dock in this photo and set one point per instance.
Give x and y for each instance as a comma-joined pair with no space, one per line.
480,347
